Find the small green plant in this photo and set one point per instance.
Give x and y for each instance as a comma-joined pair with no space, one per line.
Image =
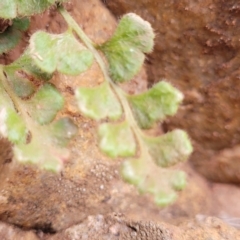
29,102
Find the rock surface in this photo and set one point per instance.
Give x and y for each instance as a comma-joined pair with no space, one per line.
197,49
117,227
9,232
76,202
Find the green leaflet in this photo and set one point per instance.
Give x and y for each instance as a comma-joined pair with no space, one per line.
12,8
42,154
12,126
178,180
98,102
132,171
125,50
160,101
12,35
20,84
117,140
62,131
170,148
46,147
45,104
124,60
21,24
60,52
24,76
133,30
148,178
16,129
24,65
163,198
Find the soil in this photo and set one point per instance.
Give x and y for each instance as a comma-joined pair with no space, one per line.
88,199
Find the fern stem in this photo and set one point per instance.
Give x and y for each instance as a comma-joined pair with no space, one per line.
119,92
15,99
8,89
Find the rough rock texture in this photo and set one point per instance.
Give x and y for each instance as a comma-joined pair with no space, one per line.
197,49
117,227
204,227
9,232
